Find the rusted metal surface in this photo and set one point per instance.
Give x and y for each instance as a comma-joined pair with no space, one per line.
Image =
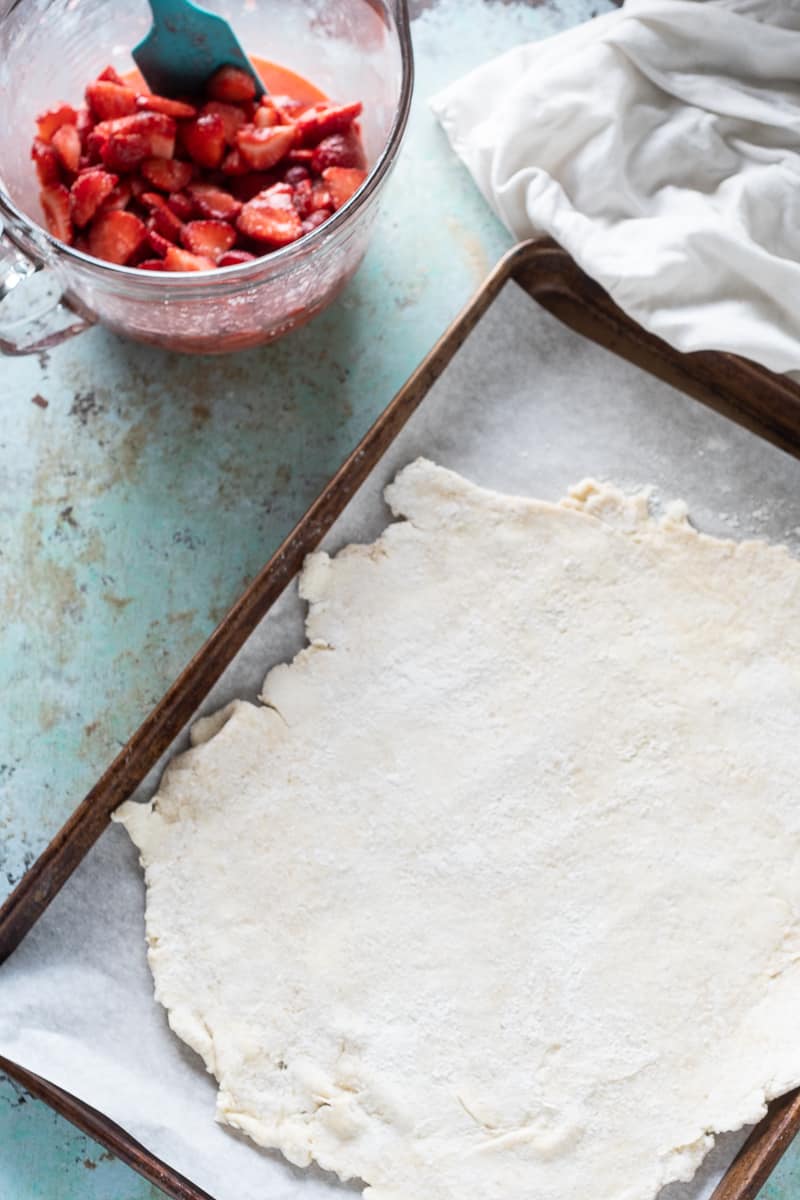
141,492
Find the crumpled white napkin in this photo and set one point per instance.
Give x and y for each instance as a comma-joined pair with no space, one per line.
660,145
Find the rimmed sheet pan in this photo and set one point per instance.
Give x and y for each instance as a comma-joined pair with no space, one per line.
513,345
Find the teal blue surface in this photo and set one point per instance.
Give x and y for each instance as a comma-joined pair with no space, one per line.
140,491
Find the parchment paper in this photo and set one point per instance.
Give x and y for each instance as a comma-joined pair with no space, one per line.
527,406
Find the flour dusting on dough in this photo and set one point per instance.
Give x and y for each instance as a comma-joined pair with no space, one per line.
498,893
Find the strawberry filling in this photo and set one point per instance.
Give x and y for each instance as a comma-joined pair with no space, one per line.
195,183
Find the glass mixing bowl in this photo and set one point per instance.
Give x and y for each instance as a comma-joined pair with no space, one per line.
50,49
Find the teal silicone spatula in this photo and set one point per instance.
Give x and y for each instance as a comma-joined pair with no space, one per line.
185,47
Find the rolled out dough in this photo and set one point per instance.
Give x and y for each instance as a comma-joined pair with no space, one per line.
497,895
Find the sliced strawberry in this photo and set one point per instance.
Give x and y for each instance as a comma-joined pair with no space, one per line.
213,202
156,130
295,175
209,238
84,123
95,145
141,255
162,104
204,139
169,174
151,200
46,160
324,119
157,241
53,119
315,219
271,217
339,150
233,117
265,116
116,126
231,84
124,152
245,187
181,204
159,130
108,100
167,224
234,164
116,236
289,108
301,158
260,164
164,219
234,258
263,148
67,145
119,198
110,75
182,260
320,195
302,195
55,206
342,183
89,191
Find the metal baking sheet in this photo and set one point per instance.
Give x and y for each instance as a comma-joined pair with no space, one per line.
526,405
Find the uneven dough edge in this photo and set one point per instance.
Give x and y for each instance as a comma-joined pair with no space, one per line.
456,500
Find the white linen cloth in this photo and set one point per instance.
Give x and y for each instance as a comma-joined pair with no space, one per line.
660,145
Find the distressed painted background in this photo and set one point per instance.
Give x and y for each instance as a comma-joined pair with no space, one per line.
140,492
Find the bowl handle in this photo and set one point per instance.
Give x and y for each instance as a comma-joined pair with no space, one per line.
34,313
